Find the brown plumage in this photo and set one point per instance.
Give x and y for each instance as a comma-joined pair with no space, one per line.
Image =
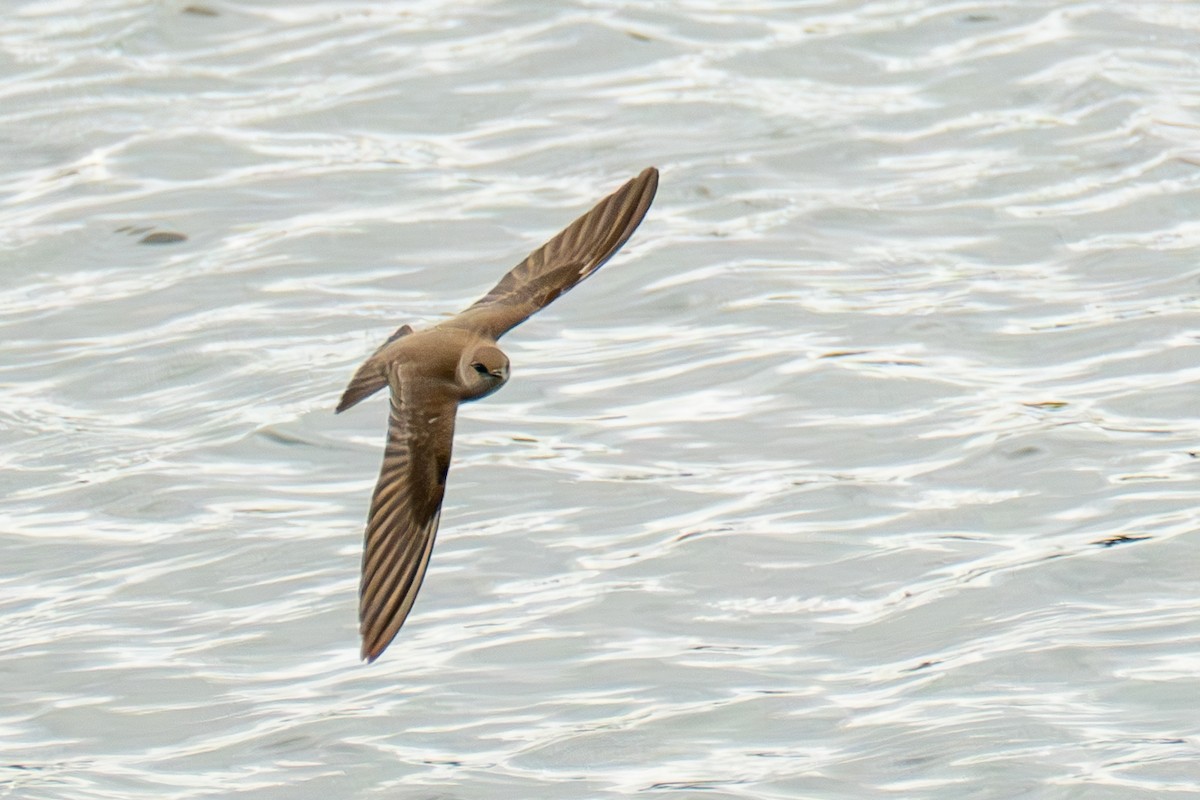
430,372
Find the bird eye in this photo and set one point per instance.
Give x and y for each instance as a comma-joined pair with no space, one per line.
480,368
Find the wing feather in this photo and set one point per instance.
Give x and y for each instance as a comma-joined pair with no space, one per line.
570,257
402,524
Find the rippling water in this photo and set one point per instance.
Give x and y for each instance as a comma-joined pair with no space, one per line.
869,468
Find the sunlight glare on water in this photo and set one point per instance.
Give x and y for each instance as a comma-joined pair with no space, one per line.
863,470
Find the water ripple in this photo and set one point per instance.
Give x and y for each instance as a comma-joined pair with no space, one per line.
867,469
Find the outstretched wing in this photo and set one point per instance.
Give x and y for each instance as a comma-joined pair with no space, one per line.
563,261
404,510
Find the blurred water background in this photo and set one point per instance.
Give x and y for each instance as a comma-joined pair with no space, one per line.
868,469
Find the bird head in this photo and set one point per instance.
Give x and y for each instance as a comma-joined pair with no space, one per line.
482,371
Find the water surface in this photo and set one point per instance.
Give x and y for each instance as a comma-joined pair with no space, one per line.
868,469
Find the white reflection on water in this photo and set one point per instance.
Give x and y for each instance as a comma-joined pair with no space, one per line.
869,467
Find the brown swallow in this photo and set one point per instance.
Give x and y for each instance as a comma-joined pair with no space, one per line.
430,372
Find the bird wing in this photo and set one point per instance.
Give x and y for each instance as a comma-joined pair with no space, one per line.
404,513
575,253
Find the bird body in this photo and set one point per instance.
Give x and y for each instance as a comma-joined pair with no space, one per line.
429,373
443,357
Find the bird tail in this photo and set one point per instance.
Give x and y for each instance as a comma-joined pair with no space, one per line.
371,376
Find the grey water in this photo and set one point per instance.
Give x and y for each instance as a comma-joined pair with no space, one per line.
869,468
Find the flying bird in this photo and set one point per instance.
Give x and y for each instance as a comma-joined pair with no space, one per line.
429,372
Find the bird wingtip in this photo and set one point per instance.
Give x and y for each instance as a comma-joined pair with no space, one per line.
649,175
648,180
